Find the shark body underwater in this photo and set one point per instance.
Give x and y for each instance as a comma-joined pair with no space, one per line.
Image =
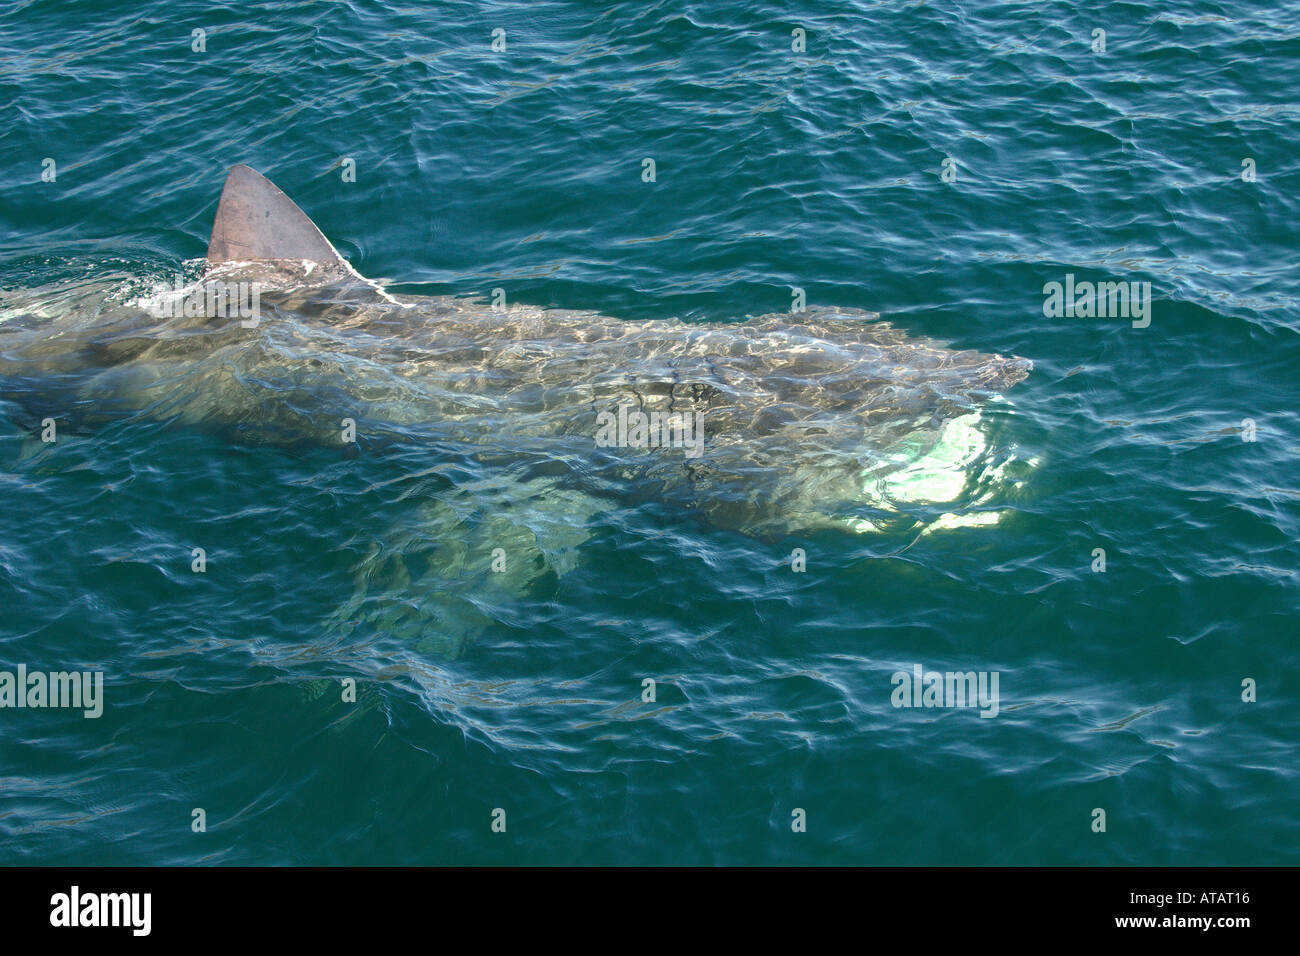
536,421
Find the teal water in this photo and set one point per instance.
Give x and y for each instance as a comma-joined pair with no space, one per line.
821,170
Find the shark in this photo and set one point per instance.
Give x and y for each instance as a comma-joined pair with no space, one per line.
537,421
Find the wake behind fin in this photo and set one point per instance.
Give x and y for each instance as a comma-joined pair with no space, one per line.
256,221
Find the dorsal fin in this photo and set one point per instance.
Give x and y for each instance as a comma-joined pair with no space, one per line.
256,221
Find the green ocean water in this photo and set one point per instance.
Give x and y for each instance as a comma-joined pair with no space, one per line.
819,169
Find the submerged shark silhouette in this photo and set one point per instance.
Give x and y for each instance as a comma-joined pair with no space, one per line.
781,425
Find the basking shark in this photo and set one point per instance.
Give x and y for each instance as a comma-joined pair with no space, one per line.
537,420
